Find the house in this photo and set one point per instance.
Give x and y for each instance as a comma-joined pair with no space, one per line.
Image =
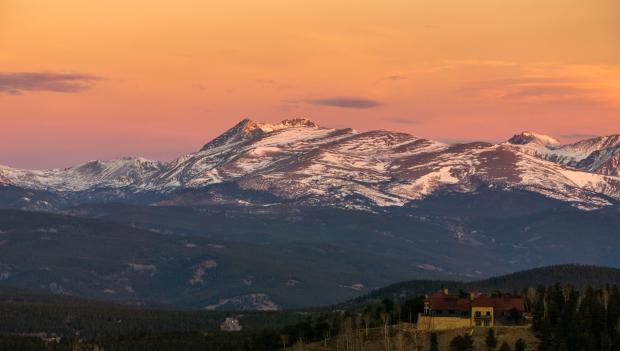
445,311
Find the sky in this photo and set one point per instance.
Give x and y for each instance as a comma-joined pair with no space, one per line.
83,80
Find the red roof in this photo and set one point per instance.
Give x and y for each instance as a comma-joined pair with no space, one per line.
508,303
441,301
499,303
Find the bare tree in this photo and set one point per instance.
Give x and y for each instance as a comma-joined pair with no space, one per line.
366,318
348,331
414,337
385,317
400,340
284,338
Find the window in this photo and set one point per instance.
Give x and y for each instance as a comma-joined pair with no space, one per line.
478,313
478,323
488,313
451,311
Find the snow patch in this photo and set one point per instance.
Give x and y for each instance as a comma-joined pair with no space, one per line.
200,270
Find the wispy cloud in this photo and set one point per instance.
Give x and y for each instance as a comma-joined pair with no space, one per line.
345,102
546,83
455,65
578,136
548,92
16,83
400,120
528,89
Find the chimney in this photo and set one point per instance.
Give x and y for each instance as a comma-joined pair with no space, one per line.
472,296
445,291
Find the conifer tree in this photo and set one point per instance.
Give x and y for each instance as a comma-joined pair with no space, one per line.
504,347
491,340
434,345
520,345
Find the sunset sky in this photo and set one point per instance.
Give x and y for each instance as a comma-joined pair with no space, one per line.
83,80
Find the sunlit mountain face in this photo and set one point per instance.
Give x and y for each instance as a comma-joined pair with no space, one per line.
298,161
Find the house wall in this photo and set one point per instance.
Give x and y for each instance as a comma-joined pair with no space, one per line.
483,311
442,323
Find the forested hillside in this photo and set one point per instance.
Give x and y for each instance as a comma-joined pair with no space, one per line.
579,276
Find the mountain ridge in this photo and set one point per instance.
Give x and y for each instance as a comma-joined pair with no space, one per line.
298,160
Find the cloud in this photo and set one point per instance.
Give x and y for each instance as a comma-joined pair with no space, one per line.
400,120
546,92
17,83
529,89
456,65
345,102
578,136
265,81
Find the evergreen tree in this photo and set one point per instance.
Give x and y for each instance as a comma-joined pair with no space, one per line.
504,347
491,340
434,345
520,345
538,309
462,343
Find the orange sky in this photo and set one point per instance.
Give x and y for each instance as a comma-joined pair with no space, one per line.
82,80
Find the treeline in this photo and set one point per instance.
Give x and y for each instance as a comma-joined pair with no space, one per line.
131,330
90,319
563,318
580,276
566,319
328,326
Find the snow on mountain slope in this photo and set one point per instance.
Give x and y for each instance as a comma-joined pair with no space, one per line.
605,161
588,146
569,154
528,138
297,160
247,130
246,150
124,172
343,170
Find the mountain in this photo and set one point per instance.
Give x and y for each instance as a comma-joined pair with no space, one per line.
265,256
213,258
298,161
531,138
598,155
604,161
124,172
292,214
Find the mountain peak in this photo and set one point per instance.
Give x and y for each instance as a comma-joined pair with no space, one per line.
299,122
287,123
247,128
528,137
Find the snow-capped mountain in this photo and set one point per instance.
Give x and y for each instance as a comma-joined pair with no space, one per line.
298,160
594,155
124,172
604,161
